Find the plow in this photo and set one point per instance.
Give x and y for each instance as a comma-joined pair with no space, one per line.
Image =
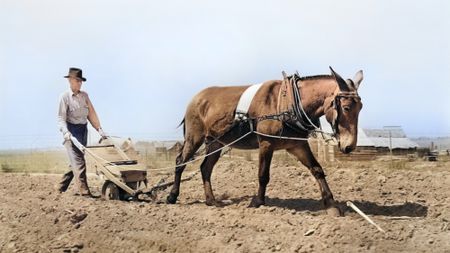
123,178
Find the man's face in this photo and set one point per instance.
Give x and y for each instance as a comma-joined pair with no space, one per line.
75,84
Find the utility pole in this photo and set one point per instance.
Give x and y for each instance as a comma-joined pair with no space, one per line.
390,148
389,128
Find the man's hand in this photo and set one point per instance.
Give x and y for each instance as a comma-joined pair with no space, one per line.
67,136
102,133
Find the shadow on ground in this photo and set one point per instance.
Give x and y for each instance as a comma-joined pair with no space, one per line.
371,208
313,205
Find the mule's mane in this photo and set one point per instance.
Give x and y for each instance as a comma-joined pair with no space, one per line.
316,77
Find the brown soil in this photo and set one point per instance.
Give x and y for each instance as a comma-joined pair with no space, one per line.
411,205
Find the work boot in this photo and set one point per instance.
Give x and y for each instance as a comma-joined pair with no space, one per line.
60,188
88,195
84,190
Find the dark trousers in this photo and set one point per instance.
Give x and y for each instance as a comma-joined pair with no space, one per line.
77,161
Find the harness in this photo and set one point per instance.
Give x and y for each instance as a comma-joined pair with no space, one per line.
245,101
290,110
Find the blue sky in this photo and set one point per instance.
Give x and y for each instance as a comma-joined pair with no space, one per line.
144,60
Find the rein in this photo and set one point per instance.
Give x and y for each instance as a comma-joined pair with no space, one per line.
299,111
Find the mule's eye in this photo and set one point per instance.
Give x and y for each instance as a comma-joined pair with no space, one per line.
346,108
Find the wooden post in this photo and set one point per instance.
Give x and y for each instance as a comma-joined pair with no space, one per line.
331,152
390,148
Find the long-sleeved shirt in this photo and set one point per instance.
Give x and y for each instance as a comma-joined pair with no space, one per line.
76,109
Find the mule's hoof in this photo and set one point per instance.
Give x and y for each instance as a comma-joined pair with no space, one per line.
256,203
171,199
214,203
335,211
210,202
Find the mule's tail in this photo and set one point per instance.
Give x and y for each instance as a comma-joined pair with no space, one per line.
184,127
179,158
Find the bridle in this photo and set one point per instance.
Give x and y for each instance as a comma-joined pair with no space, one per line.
336,105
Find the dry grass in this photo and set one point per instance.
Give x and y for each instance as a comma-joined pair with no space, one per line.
56,161
33,161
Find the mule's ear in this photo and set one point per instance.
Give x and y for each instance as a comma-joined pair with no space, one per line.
343,86
351,84
358,78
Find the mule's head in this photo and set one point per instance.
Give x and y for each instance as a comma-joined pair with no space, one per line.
343,110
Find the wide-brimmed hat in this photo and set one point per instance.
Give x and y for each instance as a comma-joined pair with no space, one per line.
76,73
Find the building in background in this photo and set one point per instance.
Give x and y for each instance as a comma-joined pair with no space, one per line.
371,143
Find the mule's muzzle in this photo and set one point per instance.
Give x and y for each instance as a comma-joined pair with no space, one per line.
347,149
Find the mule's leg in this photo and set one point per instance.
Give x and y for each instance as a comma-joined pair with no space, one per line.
306,157
265,158
190,146
206,169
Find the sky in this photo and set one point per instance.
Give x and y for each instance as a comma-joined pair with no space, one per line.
145,60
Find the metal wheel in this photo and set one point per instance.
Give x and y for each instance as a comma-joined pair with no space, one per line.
110,191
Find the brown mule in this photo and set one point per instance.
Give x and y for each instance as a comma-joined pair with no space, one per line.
210,115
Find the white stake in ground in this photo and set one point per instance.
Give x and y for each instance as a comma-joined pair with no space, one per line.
350,204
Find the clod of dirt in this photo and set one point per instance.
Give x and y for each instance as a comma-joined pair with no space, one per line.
278,248
78,217
76,247
381,179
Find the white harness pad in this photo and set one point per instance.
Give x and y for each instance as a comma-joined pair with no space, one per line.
245,101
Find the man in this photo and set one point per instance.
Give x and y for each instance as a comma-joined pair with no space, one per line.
75,109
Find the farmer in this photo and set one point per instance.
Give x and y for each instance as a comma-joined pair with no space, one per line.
74,110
